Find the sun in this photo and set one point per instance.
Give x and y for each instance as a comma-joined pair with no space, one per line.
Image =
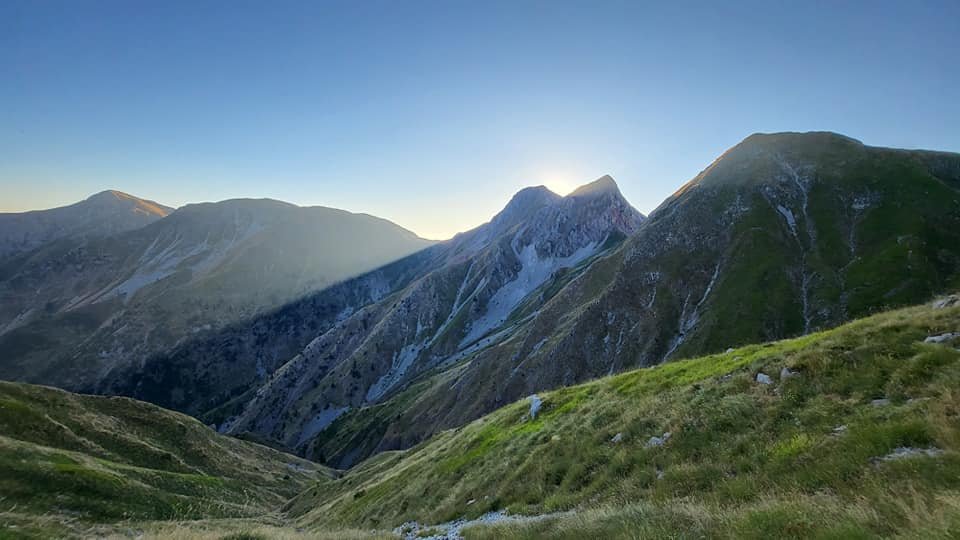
560,187
558,182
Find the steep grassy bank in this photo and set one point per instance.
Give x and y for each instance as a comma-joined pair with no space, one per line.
859,437
70,462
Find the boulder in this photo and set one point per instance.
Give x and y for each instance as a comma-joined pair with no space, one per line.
947,302
658,441
535,404
785,374
941,338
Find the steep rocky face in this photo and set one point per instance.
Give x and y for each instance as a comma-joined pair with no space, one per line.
782,235
75,310
103,214
442,317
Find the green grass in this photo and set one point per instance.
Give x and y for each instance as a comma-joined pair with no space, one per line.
69,462
744,459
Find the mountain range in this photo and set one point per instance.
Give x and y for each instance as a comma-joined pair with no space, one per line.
782,235
77,307
343,338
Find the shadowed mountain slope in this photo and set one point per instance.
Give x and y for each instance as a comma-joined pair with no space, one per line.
74,310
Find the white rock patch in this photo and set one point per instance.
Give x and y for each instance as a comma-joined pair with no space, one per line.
451,530
534,271
941,338
535,404
905,452
658,441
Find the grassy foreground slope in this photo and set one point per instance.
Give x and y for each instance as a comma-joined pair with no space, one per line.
70,462
858,438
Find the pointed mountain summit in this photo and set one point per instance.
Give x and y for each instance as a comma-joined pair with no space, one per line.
102,214
522,206
528,200
121,200
601,186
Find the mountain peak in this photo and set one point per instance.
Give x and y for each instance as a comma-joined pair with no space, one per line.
601,186
523,204
136,204
786,139
533,193
753,158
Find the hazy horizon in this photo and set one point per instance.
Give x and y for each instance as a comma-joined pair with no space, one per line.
432,114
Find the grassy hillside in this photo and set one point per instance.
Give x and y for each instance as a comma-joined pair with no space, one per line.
858,438
71,462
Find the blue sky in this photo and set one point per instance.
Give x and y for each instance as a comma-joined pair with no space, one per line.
432,114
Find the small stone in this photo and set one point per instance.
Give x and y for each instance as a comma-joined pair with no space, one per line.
763,378
658,441
535,404
840,429
471,501
728,351
946,302
617,438
904,452
659,473
882,402
785,374
941,338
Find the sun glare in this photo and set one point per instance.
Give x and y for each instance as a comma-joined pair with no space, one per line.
560,187
558,182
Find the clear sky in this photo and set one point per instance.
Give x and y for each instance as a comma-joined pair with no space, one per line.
432,114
